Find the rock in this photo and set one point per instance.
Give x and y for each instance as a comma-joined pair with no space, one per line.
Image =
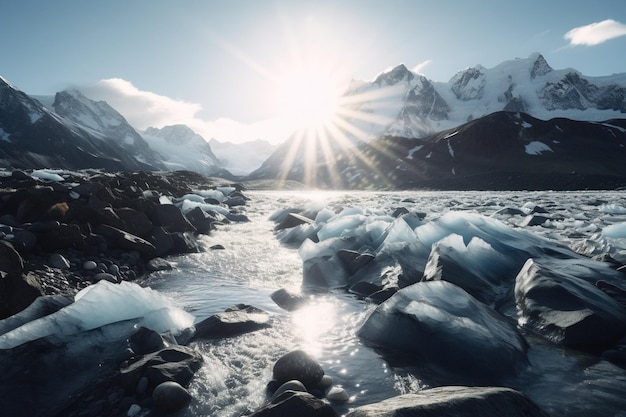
162,241
292,403
135,222
124,240
293,385
105,276
171,219
133,410
454,401
200,219
145,341
300,366
158,264
559,304
89,265
174,363
293,220
183,242
534,220
66,236
233,321
24,240
288,300
17,291
57,260
442,326
170,397
337,395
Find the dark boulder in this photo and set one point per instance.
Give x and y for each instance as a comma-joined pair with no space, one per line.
17,291
200,220
300,366
174,363
170,397
288,300
293,403
162,241
124,240
235,320
455,401
145,341
564,307
184,242
66,236
171,219
135,222
293,220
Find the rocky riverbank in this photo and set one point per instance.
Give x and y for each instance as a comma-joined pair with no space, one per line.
61,232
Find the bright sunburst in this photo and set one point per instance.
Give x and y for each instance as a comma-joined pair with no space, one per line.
307,98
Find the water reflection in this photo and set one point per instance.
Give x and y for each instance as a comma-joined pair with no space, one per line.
312,323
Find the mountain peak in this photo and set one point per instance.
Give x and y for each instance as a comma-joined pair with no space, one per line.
539,67
394,75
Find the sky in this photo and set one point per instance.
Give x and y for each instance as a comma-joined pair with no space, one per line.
239,70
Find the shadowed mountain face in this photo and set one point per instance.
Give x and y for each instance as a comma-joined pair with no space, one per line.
32,136
503,150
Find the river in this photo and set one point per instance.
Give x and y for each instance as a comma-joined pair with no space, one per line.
253,264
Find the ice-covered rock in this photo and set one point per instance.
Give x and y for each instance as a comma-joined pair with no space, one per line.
555,298
476,267
101,304
454,401
445,327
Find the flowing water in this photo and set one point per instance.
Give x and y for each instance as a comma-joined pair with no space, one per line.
253,264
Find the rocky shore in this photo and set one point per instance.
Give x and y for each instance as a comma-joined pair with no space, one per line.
62,231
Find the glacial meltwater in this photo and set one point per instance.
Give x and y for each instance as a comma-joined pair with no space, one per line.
253,264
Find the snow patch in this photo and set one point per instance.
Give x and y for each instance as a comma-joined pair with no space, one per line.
537,148
413,150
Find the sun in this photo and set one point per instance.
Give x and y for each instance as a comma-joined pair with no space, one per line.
307,99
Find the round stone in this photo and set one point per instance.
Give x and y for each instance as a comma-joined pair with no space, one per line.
298,365
170,397
337,395
293,385
89,265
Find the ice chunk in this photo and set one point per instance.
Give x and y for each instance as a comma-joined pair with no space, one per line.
617,230
101,304
187,205
50,175
446,327
612,208
399,233
214,194
341,226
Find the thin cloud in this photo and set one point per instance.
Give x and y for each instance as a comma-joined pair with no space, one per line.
143,109
418,68
596,33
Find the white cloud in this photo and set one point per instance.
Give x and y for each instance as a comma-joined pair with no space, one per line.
596,33
145,109
418,68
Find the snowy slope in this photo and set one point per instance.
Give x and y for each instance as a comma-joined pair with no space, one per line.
183,149
400,102
242,158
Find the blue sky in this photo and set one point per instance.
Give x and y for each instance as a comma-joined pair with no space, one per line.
220,63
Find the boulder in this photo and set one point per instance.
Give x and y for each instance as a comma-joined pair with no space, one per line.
293,220
135,222
124,240
454,401
171,219
145,341
288,300
174,363
184,242
293,385
442,326
235,320
162,241
66,236
556,302
200,219
170,397
300,366
17,291
293,403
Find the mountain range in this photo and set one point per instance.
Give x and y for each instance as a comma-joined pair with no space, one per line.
518,125
521,120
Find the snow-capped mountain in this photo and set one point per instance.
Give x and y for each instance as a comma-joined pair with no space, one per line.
399,106
503,150
184,149
403,103
32,136
100,117
242,158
